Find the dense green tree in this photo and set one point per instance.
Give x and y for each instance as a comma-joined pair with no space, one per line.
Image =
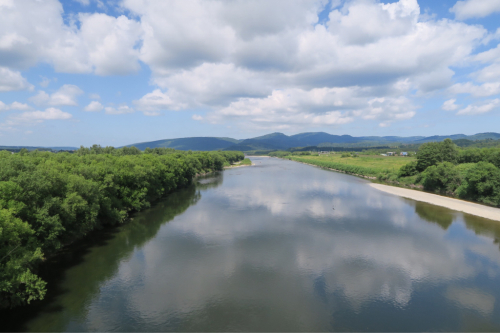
408,170
443,177
432,153
482,184
48,200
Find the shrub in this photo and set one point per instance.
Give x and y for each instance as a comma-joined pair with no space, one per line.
482,184
408,170
443,177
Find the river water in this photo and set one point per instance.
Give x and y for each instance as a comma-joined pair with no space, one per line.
279,246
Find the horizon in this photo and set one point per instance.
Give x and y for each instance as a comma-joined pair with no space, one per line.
115,73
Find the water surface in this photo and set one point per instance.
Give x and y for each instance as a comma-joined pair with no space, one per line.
279,246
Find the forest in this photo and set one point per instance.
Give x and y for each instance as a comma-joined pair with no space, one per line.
49,200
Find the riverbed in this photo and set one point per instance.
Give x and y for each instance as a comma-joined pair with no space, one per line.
278,246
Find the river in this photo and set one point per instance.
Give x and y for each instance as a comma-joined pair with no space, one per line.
279,246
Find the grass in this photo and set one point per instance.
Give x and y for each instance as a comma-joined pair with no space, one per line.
246,161
367,165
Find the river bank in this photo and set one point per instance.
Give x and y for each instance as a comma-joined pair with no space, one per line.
491,213
476,209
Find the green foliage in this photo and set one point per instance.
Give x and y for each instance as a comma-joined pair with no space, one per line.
408,170
443,177
432,153
347,168
345,155
48,200
279,153
482,184
246,161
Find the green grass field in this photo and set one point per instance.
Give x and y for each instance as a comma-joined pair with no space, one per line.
368,165
246,161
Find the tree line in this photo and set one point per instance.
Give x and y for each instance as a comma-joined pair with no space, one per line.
471,174
48,200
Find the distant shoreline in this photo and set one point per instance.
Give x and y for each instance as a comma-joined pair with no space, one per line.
487,212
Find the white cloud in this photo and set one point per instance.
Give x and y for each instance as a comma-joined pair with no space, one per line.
48,114
102,44
483,90
475,8
20,106
450,105
489,73
110,43
33,117
12,80
480,108
94,106
251,58
226,56
156,101
95,96
123,109
66,95
317,107
14,106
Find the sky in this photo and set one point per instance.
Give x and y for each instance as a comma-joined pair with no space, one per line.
117,72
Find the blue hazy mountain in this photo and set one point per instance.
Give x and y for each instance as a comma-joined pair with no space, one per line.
196,143
281,141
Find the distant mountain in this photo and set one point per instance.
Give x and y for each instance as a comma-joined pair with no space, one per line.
12,148
196,143
278,141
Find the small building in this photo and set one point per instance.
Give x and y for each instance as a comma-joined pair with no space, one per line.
403,153
383,154
390,153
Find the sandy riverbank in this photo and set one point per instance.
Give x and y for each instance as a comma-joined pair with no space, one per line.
451,203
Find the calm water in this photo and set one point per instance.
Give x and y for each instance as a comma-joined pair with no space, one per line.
280,246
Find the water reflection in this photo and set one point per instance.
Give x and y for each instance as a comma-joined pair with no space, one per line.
284,246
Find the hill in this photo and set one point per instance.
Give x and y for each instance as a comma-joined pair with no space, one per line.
280,141
195,143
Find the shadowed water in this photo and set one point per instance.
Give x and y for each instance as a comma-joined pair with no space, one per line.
279,246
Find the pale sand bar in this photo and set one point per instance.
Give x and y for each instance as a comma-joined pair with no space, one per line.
455,204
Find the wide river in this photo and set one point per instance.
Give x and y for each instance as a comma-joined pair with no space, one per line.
279,246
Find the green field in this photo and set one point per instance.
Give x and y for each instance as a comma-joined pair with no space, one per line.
368,165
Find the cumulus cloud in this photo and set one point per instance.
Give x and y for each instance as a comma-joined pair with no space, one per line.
479,108
102,44
475,8
12,80
48,114
94,106
123,109
248,65
236,58
66,95
33,117
450,105
483,90
14,106
156,101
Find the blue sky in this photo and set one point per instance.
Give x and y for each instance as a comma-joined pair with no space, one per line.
79,72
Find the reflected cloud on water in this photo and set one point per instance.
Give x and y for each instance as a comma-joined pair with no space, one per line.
285,246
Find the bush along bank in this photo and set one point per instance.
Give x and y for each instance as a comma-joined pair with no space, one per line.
48,200
440,167
443,168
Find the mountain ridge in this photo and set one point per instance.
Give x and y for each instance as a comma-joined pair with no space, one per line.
277,141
